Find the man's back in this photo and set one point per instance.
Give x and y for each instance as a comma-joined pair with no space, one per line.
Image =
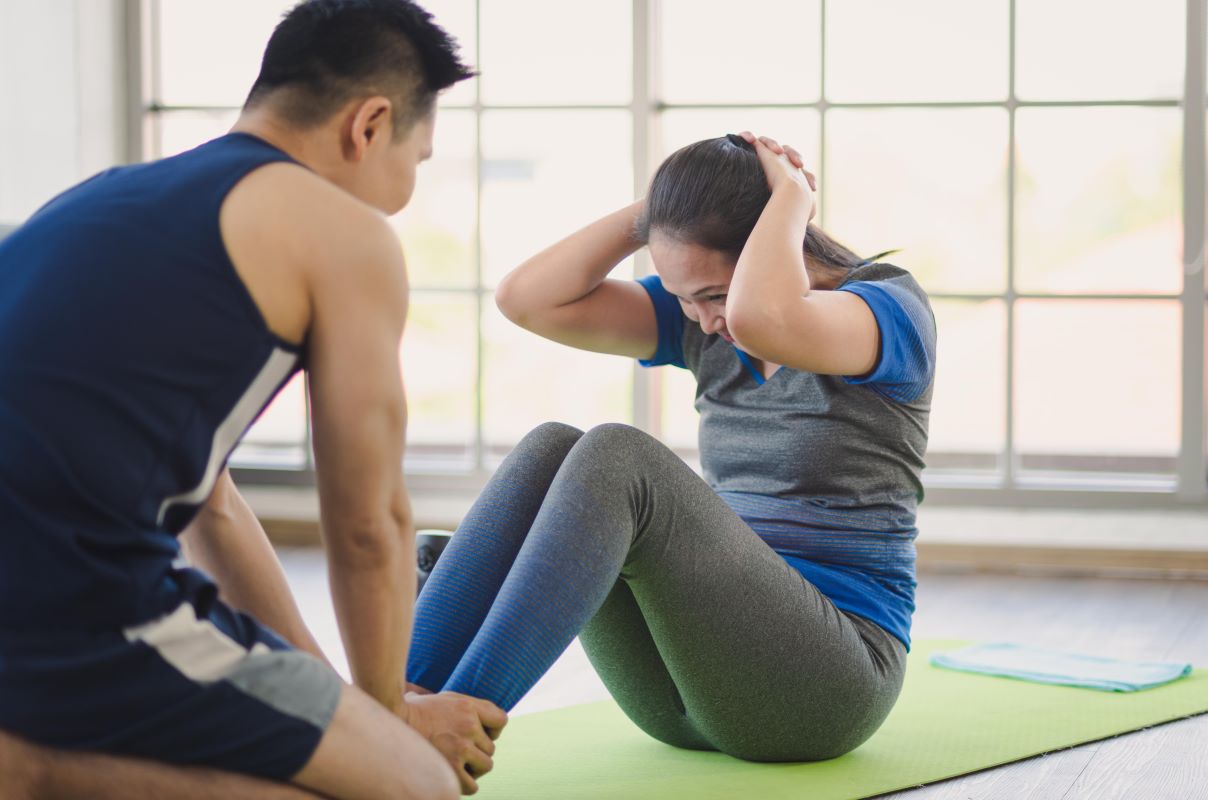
132,359
145,317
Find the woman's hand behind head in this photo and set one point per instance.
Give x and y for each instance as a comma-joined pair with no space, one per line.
784,167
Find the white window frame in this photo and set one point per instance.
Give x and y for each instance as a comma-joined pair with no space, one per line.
1188,487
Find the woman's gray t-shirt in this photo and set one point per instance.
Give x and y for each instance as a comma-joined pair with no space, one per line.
824,468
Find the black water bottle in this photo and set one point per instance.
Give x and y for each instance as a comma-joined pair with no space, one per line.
429,544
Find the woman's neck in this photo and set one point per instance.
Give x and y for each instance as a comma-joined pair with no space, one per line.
822,278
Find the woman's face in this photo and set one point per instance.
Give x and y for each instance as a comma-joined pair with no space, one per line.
698,276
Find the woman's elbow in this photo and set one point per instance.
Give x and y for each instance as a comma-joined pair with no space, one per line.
506,299
510,300
751,329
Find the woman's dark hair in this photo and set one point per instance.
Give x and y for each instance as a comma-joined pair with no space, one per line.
324,53
711,194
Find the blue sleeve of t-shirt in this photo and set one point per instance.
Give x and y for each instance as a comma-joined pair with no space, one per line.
906,363
670,318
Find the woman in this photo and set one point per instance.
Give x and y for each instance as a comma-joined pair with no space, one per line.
763,611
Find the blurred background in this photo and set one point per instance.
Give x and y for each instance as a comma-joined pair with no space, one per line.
1029,159
1038,164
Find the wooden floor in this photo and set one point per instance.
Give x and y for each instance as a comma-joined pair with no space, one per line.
1123,618
1150,619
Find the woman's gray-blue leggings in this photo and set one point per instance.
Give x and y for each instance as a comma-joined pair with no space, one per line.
705,637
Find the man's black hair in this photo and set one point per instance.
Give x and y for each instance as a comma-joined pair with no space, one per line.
324,53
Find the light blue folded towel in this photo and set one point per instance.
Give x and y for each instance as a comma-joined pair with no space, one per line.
1053,666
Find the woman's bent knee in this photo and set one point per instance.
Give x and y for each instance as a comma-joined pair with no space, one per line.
552,434
624,445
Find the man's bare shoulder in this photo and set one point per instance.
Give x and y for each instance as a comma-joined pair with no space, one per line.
293,236
309,213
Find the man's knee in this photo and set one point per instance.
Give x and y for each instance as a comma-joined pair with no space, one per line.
368,752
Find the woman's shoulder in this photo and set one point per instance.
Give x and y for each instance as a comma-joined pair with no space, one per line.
906,321
880,271
888,275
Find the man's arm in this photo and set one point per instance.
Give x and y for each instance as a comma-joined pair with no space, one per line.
228,542
327,270
359,300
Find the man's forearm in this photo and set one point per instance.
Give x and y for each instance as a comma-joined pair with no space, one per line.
373,594
227,541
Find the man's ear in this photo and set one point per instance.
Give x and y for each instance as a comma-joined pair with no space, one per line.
371,121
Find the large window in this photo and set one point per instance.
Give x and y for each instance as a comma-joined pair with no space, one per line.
1025,157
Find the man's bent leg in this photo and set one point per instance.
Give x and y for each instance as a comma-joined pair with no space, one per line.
367,753
204,688
30,772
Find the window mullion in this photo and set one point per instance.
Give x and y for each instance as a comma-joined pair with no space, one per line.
1010,457
480,350
1192,463
646,400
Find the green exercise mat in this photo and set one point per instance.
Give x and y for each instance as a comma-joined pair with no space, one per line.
945,724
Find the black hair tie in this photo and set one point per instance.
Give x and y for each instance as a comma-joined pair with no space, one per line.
738,141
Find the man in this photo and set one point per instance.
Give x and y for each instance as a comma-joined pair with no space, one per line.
146,317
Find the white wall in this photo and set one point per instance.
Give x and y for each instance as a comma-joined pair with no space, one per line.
62,89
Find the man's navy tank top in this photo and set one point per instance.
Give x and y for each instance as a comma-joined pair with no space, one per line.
132,360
